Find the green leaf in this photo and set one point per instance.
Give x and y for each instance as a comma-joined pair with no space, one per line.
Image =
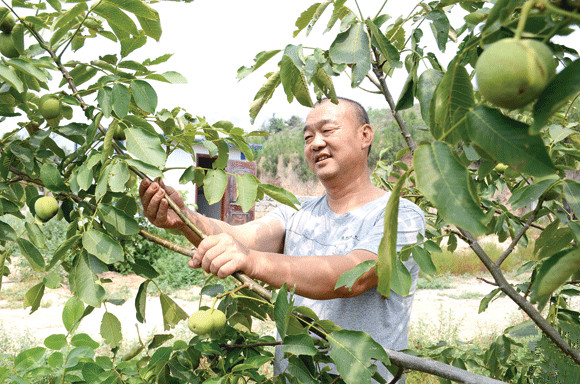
527,194
309,17
144,95
501,10
557,93
387,49
214,185
151,27
294,82
280,194
111,330
69,245
29,358
102,246
149,170
145,146
121,100
401,280
118,176
137,7
324,82
572,195
32,254
29,68
72,313
33,297
447,184
423,258
348,278
487,299
105,100
299,344
387,255
7,233
9,75
426,86
282,310
451,100
553,273
56,342
174,77
123,223
252,363
82,281
507,141
353,352
353,47
130,44
247,187
440,27
260,59
264,94
84,176
298,369
141,301
51,178
118,20
172,313
35,234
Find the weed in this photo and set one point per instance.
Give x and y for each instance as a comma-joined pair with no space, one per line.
444,281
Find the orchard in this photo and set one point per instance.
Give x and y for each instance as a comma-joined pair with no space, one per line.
502,114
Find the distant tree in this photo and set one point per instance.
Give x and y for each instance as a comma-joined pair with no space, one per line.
295,122
275,124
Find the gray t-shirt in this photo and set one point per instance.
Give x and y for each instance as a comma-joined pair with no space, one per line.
317,230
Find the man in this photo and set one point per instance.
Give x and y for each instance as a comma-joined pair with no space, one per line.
310,249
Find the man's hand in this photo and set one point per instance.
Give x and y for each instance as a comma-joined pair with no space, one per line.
221,255
155,206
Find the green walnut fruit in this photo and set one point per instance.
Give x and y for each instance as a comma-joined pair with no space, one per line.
7,47
512,73
200,322
50,108
501,167
7,22
219,320
46,208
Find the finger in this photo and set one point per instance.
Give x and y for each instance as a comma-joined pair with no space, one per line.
153,207
194,262
143,186
148,194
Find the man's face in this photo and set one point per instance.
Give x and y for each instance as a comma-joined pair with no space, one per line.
332,140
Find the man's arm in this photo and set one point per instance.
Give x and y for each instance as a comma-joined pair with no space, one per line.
312,276
262,234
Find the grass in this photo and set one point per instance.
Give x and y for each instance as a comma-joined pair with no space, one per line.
466,262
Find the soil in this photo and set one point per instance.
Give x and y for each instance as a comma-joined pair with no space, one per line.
438,313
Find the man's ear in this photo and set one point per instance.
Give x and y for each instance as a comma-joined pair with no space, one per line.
367,134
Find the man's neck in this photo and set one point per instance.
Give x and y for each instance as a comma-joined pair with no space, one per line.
346,196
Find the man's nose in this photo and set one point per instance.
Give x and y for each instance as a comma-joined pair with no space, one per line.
317,142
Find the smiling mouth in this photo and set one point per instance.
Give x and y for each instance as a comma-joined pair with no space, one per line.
321,158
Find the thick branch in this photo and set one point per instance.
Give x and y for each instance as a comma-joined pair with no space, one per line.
437,368
525,305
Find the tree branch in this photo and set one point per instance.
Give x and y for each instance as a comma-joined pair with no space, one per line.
524,229
437,368
382,85
525,305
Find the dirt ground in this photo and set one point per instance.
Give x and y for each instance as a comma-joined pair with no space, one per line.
437,313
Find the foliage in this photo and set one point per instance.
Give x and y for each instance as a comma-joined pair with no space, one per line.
474,151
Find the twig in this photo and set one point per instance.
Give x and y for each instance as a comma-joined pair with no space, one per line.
487,281
253,345
525,305
399,374
516,239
